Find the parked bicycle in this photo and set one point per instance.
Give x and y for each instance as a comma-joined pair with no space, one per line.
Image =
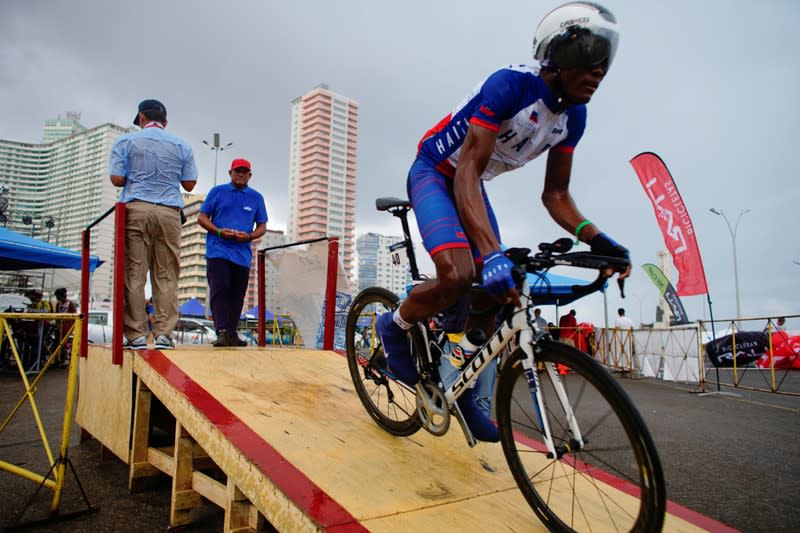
568,431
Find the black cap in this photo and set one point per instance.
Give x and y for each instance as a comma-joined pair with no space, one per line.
150,105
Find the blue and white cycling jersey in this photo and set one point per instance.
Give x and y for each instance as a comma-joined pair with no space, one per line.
517,104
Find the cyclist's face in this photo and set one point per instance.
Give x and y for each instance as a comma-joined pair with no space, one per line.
579,84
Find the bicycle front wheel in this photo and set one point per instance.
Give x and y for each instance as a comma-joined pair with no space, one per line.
390,404
611,482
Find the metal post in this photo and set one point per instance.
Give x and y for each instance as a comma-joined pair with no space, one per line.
119,284
330,294
262,300
732,231
216,161
85,266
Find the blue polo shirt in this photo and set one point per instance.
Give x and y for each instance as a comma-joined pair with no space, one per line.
154,163
232,208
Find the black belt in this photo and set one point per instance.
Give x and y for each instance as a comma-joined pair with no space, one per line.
152,203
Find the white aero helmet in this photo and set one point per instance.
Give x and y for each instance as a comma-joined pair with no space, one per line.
577,34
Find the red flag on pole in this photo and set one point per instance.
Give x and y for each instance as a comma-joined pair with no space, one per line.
674,221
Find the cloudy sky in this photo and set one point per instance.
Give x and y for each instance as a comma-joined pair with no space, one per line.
711,86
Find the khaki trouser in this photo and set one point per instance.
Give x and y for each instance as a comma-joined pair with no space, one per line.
152,243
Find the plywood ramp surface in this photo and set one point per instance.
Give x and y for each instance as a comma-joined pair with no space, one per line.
302,406
104,401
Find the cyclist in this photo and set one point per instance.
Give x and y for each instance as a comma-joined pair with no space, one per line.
512,117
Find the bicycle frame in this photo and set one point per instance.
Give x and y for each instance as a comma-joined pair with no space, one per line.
522,324
519,323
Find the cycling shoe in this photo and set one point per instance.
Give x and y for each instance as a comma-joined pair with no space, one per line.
397,349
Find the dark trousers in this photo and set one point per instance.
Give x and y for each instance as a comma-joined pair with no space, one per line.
228,284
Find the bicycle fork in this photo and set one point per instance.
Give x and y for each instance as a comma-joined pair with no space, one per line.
529,369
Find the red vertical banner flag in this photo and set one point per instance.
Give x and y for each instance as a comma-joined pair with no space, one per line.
674,221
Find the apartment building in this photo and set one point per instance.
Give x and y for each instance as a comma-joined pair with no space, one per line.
322,170
54,189
378,266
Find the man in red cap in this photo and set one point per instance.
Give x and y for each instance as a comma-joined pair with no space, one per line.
229,214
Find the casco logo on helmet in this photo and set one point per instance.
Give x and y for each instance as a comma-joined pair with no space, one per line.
572,22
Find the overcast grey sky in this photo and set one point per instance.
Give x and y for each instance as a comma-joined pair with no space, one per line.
710,86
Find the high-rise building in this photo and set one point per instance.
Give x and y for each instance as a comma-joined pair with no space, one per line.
59,128
192,282
55,189
377,265
322,170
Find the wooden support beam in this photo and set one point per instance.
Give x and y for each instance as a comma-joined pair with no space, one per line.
184,499
140,468
237,511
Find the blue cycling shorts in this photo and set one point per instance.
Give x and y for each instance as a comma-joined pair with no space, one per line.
431,196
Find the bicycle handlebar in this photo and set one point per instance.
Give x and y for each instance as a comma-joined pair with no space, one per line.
557,254
549,255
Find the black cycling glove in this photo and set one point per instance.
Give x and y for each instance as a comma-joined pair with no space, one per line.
602,244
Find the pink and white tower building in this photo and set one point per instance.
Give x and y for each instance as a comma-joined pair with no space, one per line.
322,170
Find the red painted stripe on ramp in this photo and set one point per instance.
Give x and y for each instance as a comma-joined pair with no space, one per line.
697,519
314,502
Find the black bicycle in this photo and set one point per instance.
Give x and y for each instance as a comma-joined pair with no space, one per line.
567,430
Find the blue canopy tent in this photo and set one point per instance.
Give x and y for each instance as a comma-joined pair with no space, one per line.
252,314
20,252
192,308
552,289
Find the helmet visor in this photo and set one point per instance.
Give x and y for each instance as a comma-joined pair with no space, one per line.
583,48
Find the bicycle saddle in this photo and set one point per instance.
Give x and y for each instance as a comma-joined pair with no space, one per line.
384,204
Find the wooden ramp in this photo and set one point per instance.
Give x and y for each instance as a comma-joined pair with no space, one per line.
297,448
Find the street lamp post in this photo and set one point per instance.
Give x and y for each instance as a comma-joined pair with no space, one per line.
217,149
732,231
28,221
49,223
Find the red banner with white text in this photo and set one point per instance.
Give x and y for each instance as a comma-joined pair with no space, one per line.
674,221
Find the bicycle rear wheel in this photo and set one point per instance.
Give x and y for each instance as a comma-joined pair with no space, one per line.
614,481
390,404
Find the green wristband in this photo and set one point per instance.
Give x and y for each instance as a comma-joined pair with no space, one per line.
219,233
578,230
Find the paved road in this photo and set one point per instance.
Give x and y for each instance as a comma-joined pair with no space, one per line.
734,459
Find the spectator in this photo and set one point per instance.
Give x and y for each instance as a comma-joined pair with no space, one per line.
151,165
778,325
567,327
541,323
64,305
229,214
36,330
623,322
37,305
150,313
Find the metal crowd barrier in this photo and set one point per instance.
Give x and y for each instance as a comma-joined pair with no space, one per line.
679,354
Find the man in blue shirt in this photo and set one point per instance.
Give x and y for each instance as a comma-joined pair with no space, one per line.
229,214
151,165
